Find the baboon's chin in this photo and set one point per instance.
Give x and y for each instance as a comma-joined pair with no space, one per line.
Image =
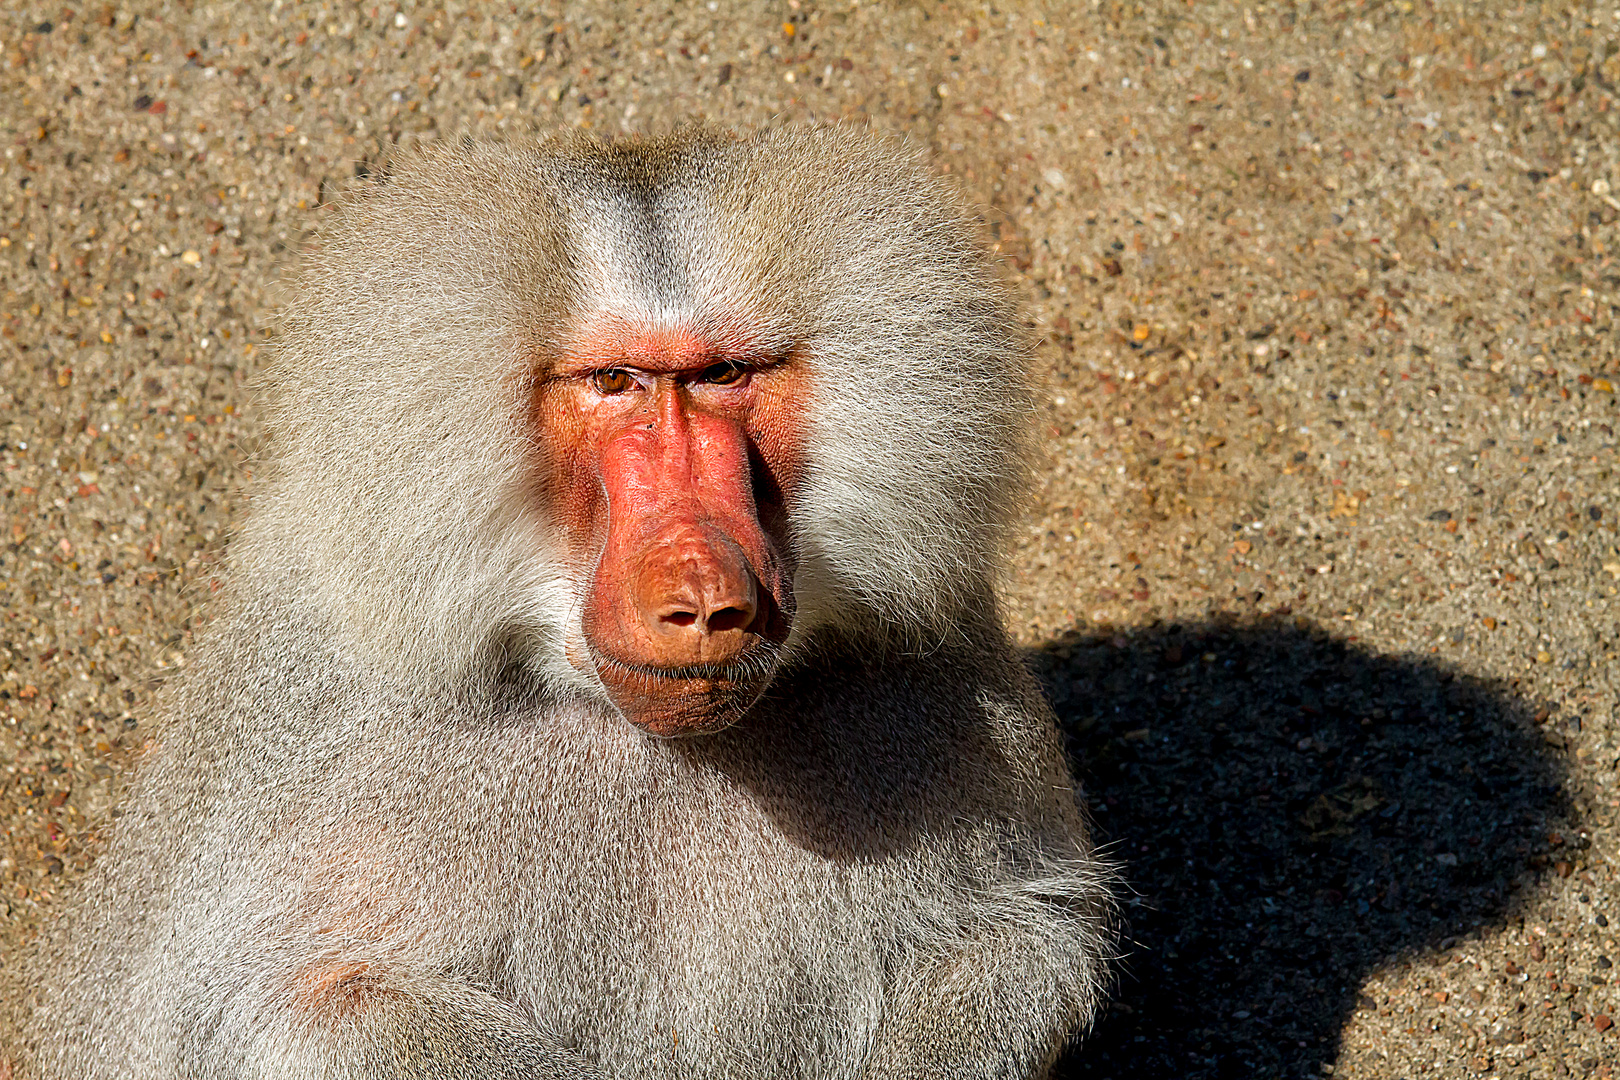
677,702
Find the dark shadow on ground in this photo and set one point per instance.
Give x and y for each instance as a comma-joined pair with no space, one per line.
1289,811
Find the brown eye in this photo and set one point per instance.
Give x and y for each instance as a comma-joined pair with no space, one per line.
723,374
612,381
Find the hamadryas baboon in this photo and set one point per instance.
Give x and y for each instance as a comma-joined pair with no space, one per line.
610,682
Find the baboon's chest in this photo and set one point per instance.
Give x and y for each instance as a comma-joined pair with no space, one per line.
714,956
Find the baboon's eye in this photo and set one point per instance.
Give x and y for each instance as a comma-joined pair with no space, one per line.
612,381
723,374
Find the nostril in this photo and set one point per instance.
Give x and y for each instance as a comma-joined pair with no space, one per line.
681,618
730,618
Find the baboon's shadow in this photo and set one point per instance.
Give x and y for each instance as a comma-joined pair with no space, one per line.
1289,811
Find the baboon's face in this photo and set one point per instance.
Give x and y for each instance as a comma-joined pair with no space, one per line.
671,456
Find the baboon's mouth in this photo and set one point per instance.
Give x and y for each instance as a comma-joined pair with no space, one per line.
693,699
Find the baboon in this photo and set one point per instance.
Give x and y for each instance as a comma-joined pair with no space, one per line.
610,681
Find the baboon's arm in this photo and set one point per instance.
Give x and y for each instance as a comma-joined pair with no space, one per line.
999,1011
415,1029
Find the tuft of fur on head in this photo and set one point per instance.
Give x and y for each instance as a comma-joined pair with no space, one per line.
401,500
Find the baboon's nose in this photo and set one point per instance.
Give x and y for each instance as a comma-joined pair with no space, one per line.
699,601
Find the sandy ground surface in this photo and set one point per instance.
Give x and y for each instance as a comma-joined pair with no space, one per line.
1322,570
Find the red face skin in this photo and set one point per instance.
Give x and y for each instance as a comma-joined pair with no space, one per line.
671,459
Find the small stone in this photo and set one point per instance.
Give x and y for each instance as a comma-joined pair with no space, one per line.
191,257
1538,952
1600,187
1544,657
1602,1022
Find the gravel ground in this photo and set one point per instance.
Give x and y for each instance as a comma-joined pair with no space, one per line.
1323,565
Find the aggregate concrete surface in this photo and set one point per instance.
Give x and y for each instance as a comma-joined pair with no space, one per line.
1321,573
